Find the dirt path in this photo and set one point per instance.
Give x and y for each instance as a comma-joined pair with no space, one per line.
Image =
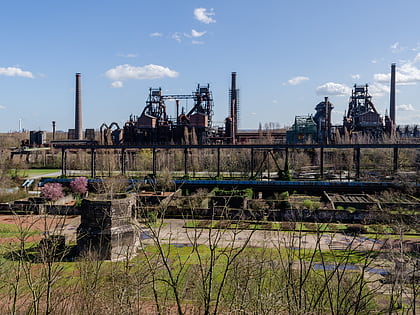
54,224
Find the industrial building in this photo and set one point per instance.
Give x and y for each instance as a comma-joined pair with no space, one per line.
154,126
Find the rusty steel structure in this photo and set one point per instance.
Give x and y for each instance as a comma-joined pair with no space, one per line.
195,126
362,115
154,126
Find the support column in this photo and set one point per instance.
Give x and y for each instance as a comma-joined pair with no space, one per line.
395,159
357,161
63,162
252,162
218,163
93,163
154,162
321,166
186,161
123,161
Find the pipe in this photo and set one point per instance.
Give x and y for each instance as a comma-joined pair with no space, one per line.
78,130
392,95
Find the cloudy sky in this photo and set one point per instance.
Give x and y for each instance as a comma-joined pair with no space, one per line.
288,55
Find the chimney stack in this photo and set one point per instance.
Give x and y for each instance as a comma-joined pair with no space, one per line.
78,129
392,95
234,107
53,129
327,120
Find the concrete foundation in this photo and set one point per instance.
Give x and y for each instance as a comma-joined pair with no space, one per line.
106,229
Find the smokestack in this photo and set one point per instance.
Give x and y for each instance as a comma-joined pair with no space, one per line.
234,107
327,120
78,129
392,95
53,130
177,111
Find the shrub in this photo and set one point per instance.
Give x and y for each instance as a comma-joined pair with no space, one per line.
152,216
52,191
308,204
79,185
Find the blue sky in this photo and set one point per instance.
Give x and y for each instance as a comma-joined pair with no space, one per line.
288,55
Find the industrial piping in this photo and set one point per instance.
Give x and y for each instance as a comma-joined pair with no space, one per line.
78,130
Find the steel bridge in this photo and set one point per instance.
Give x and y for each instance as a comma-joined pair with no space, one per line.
253,148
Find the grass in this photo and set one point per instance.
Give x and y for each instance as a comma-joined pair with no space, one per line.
12,196
384,230
11,230
32,172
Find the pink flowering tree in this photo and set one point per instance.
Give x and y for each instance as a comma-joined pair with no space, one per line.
79,185
52,191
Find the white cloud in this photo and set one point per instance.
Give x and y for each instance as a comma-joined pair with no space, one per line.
331,88
2,107
406,107
204,16
15,72
197,42
377,89
128,55
176,36
156,34
397,48
395,45
195,33
297,80
127,72
417,58
407,73
355,76
117,84
374,61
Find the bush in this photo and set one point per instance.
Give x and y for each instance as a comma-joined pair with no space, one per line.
308,204
79,185
152,216
52,191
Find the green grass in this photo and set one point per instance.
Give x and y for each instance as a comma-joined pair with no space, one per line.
11,230
32,172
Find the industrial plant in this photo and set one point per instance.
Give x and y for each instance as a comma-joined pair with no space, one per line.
155,127
362,123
